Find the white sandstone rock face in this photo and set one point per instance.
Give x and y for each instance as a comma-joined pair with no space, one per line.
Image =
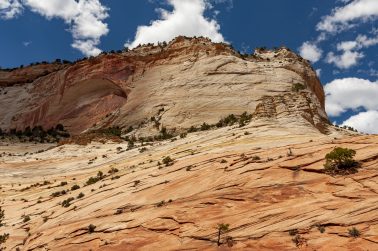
182,84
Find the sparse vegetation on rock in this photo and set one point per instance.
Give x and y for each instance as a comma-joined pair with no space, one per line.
298,87
91,228
167,161
340,161
222,228
4,236
95,179
36,134
81,195
67,202
354,232
25,218
75,187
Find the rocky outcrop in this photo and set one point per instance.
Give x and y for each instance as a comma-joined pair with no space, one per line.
180,84
237,176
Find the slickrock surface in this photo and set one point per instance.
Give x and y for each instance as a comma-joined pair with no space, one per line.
181,84
264,179
215,179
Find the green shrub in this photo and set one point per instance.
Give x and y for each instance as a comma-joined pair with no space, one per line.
58,193
67,202
205,127
222,228
227,121
256,158
244,119
25,218
114,131
293,232
75,187
113,170
183,135
81,195
164,134
91,228
93,180
167,161
340,160
192,129
354,232
298,87
3,237
299,240
160,204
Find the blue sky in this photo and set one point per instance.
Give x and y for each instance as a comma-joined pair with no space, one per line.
340,37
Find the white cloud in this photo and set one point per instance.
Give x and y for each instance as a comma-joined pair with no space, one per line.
366,122
344,17
347,45
187,19
26,43
362,41
84,17
10,9
351,14
310,51
318,72
346,60
350,93
350,54
86,46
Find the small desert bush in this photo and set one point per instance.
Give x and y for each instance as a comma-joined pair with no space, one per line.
340,161
5,236
167,161
91,228
75,187
81,195
95,179
25,218
354,232
298,87
67,202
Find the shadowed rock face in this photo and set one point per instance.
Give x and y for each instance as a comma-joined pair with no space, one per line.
194,80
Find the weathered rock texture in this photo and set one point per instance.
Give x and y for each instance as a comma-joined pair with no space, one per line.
194,80
216,178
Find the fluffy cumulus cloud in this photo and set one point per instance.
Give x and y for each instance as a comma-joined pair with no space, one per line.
346,60
187,19
351,14
84,17
345,17
354,94
350,54
366,122
350,93
310,51
10,9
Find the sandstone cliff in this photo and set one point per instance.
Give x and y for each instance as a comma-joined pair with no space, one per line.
181,84
265,179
